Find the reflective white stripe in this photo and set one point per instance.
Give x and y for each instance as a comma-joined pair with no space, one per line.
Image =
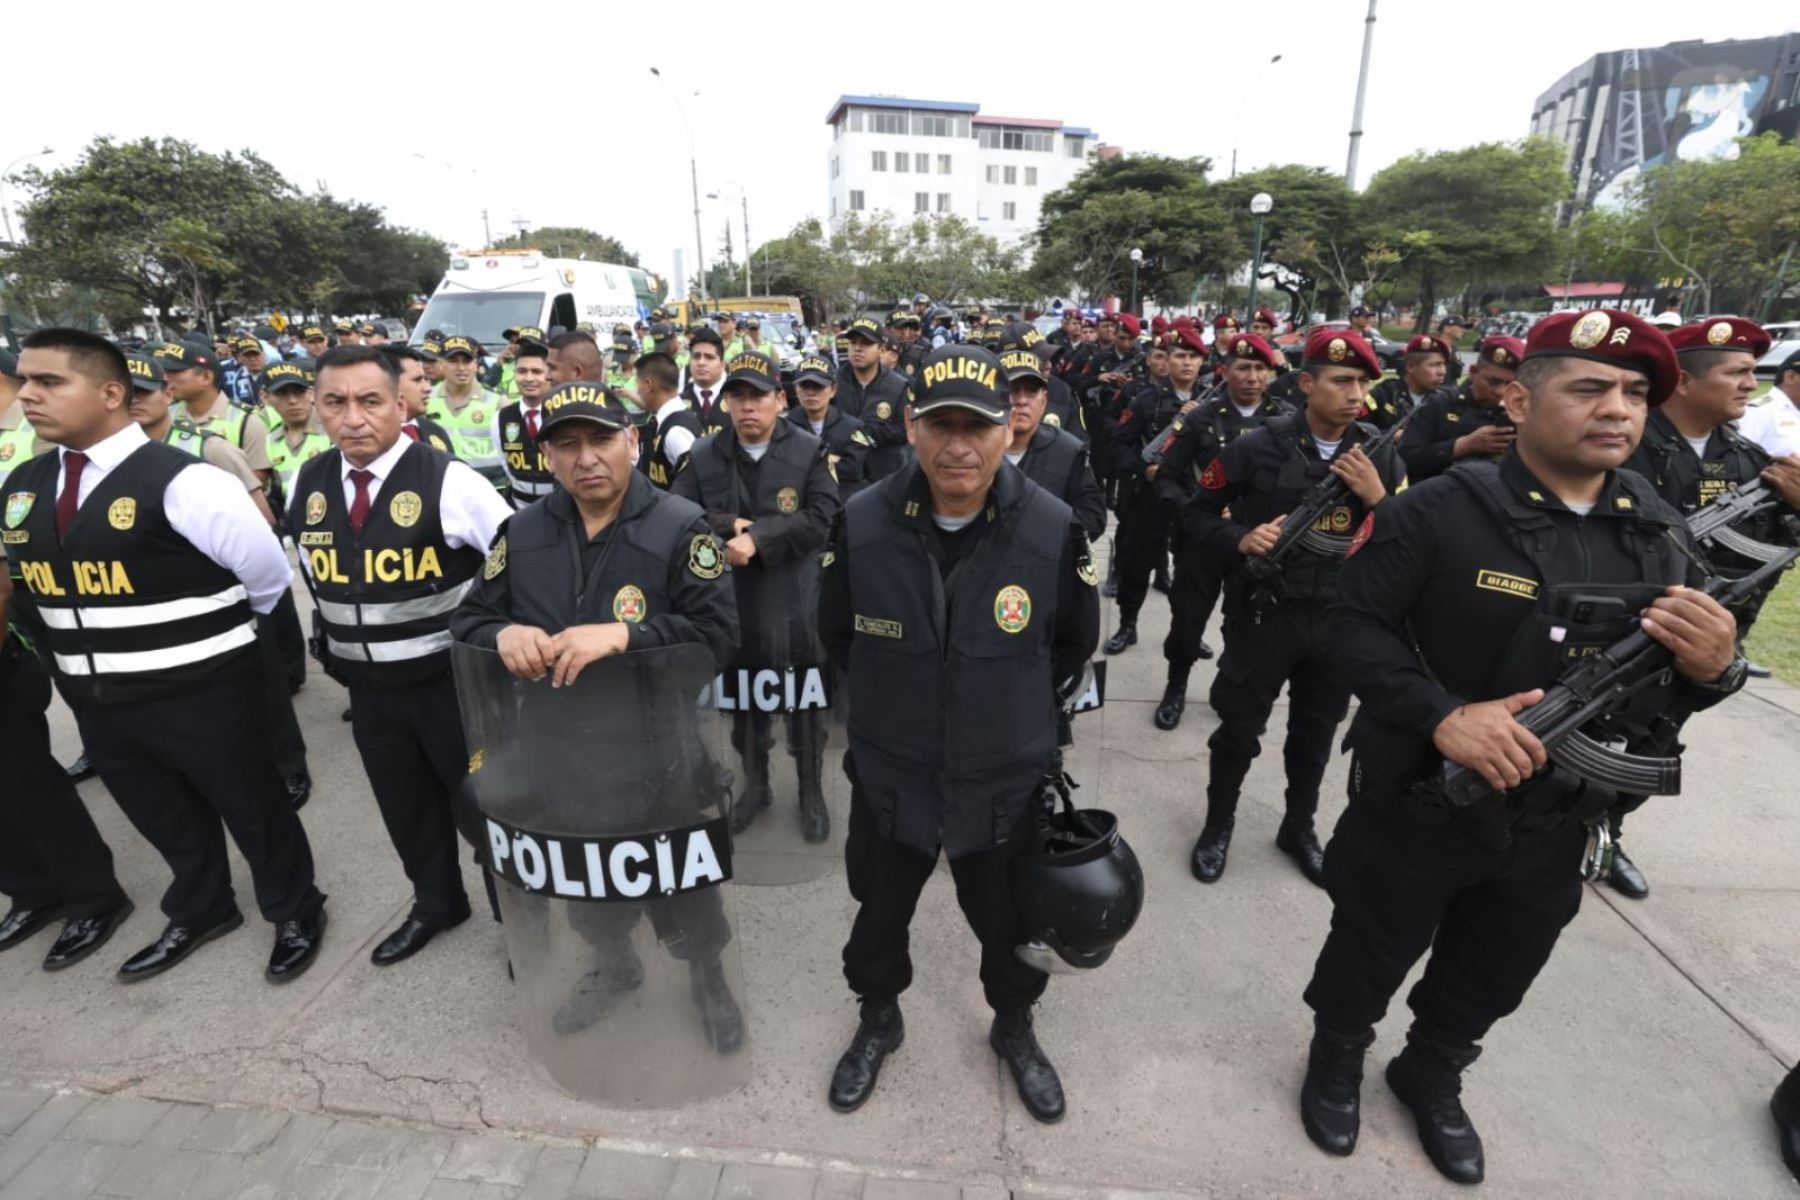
399,651
399,612
126,662
529,488
129,616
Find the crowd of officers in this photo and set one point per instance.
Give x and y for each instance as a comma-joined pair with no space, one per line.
929,504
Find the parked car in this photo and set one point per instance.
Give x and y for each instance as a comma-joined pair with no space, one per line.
1787,342
1389,352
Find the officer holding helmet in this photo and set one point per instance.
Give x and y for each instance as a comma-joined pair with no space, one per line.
960,599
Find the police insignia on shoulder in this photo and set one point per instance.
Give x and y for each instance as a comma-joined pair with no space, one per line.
704,559
496,559
861,438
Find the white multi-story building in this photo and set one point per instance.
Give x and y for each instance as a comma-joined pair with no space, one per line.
915,157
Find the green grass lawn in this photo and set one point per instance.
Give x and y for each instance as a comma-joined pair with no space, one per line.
1775,642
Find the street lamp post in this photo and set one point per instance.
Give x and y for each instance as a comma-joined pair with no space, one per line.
743,195
1260,204
4,210
1137,257
693,176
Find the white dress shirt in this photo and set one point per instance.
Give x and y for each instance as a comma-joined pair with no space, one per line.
208,507
1774,424
677,441
468,506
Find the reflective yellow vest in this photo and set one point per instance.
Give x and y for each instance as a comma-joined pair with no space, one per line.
471,430
287,460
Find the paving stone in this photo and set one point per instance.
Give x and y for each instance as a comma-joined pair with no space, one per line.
492,1158
271,1169
888,1188
553,1175
116,1120
236,1131
153,1151
420,1159
615,1175
195,1175
17,1103
839,1185
64,1171
694,1180
986,1193
467,1189
365,1147
37,1131
754,1181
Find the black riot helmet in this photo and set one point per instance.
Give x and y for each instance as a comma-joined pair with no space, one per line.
1080,894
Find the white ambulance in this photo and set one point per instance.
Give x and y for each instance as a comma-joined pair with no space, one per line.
488,292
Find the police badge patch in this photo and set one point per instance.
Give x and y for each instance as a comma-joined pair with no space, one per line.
512,431
122,513
1012,608
628,604
883,411
17,506
496,559
787,500
704,559
1052,420
405,509
315,508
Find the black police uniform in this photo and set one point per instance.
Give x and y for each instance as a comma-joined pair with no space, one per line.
792,502
1063,411
881,406
1429,446
657,568
527,468
708,410
1451,597
847,446
1141,542
654,457
1268,641
1057,461
949,739
1200,436
1390,400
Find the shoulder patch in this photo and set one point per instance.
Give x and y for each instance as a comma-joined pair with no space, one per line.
496,559
1364,532
1213,478
704,559
862,438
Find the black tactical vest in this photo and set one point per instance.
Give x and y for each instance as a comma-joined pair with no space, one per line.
780,476
385,597
527,467
130,609
653,454
1309,578
1053,461
952,704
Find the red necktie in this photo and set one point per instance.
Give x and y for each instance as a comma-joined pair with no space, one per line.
411,431
531,423
705,401
359,507
73,461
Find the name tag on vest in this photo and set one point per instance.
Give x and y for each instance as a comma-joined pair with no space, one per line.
771,689
654,865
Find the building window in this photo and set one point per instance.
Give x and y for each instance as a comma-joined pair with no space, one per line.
943,202
1072,147
934,125
887,122
993,173
856,201
1030,176
834,166
834,206
1012,176
1009,211
921,202
856,122
902,161
1006,137
943,164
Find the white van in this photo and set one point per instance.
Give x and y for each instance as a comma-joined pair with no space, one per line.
486,293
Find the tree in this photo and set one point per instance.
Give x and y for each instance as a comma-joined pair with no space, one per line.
1314,229
571,241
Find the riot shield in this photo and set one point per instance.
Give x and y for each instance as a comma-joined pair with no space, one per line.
602,815
790,803
1084,721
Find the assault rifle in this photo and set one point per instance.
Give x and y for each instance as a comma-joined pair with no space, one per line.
1712,524
1593,688
1298,532
1159,445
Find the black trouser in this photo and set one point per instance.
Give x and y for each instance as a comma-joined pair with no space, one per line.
691,926
290,639
287,742
188,766
1490,918
1287,644
887,877
753,736
413,750
50,852
1141,544
1192,595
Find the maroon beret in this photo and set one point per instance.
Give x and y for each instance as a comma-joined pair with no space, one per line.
1722,333
1341,348
1159,325
1225,321
1609,336
1184,322
1250,346
1501,351
1424,343
1130,324
1267,316
1187,337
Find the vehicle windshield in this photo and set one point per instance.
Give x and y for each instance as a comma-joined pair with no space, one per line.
483,316
779,330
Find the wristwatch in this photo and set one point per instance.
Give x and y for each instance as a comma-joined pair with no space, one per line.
1731,680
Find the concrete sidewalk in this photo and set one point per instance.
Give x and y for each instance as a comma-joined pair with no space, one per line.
1640,1065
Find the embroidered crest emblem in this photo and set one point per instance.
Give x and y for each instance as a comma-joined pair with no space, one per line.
496,560
883,411
1718,333
704,559
405,509
121,514
512,431
787,500
17,505
628,604
315,508
1012,608
1590,331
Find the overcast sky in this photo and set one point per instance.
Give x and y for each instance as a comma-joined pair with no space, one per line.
549,114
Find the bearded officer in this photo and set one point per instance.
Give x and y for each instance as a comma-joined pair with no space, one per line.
1462,599
516,424
847,443
950,739
146,568
1469,422
609,563
770,499
393,534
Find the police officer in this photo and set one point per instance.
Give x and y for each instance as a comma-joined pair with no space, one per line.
1443,619
1421,375
1225,327
949,739
313,341
875,396
528,475
465,409
673,428
1200,435
847,443
1061,408
297,439
1450,332
146,568
769,497
1692,453
346,333
905,326
1772,420
1276,636
607,564
1468,421
393,535
705,382
1050,456
413,363
192,382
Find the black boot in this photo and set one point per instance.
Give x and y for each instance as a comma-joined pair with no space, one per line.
1110,588
1126,637
878,1035
815,819
1039,1087
1174,698
755,797
1427,1077
1211,850
720,1015
1331,1096
1785,1104
1297,840
1625,877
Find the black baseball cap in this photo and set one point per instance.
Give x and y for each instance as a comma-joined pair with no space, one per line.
459,345
1791,363
344,327
532,334
623,345
962,376
312,333
815,369
583,401
661,330
867,329
431,350
754,368
1361,311
1018,363
183,356
146,373
1454,319
285,375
